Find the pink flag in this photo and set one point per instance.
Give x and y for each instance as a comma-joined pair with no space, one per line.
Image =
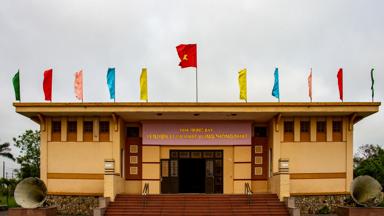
79,85
310,85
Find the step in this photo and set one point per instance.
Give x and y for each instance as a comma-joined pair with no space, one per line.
197,204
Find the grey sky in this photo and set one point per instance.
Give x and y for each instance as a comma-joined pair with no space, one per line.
258,35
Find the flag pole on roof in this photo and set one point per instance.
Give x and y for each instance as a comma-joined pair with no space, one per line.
78,84
47,85
243,84
144,85
276,90
372,84
340,83
188,58
310,85
111,83
16,85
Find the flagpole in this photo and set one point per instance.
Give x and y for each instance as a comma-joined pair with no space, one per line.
372,87
114,87
19,85
197,91
311,84
52,86
342,87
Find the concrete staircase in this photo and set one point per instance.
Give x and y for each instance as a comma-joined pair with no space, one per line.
197,204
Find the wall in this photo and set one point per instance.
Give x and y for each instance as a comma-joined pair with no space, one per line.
78,167
314,167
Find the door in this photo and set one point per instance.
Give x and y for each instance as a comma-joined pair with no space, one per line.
169,176
191,175
209,176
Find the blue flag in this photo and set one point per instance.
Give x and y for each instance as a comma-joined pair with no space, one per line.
275,90
111,82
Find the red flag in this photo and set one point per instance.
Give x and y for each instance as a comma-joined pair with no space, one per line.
187,54
340,83
310,85
47,84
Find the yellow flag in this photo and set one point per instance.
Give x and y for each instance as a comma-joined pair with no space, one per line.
143,85
243,84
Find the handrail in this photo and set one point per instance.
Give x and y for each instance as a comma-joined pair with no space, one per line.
145,193
248,192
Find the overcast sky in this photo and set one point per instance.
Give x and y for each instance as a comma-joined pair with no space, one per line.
93,35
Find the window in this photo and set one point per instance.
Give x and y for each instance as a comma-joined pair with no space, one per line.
304,131
88,131
260,132
321,131
72,131
104,131
288,131
56,131
133,132
337,131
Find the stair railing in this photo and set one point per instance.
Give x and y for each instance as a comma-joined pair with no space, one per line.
145,193
248,192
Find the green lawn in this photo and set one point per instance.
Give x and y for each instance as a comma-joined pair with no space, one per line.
11,200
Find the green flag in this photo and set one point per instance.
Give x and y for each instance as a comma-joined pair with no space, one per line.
372,85
16,85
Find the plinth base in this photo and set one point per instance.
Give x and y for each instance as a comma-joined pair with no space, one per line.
47,211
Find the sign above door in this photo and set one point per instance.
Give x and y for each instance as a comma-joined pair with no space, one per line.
197,132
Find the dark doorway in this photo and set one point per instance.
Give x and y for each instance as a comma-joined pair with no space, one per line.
191,175
192,171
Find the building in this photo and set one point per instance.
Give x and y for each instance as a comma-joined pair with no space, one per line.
111,148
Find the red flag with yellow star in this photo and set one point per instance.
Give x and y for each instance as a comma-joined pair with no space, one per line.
188,55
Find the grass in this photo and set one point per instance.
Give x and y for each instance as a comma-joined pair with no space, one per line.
11,201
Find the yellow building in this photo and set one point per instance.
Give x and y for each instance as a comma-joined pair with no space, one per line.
115,148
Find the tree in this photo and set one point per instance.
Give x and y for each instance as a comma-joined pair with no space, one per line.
370,161
7,187
5,151
29,158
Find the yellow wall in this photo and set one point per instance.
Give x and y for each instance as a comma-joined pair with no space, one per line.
317,158
81,159
75,186
260,186
78,157
304,157
314,157
317,186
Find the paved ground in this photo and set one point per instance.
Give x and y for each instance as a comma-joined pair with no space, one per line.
3,213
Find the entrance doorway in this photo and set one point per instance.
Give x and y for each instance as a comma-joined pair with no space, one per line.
192,171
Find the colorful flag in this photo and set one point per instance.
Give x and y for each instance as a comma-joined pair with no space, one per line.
47,84
79,85
111,82
276,90
243,84
16,85
340,83
187,54
372,84
310,85
143,85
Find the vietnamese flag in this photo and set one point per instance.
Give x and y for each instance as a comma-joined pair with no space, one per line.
47,84
340,83
188,55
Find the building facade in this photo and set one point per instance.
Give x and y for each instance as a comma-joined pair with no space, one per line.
105,149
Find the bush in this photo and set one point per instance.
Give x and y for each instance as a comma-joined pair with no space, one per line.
323,210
